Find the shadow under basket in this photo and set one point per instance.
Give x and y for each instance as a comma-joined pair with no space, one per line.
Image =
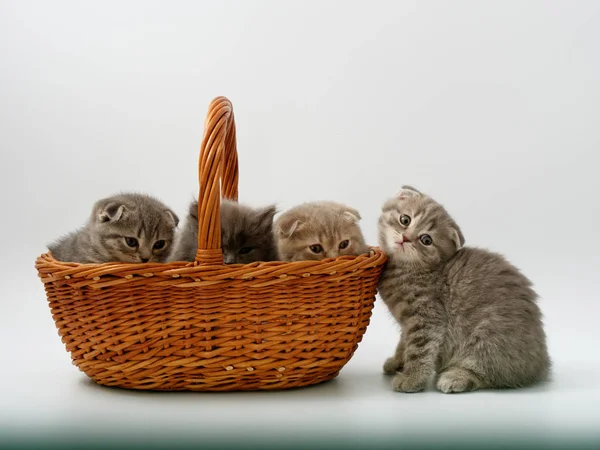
204,325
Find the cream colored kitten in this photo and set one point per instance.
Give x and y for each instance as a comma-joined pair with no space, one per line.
319,230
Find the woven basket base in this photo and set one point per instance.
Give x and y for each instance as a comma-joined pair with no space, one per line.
212,328
244,383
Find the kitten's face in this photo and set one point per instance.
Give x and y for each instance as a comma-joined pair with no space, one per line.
318,231
246,233
135,228
415,229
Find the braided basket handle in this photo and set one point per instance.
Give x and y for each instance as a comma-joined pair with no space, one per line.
218,176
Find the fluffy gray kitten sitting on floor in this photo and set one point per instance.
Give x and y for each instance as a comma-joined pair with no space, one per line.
246,234
127,227
466,314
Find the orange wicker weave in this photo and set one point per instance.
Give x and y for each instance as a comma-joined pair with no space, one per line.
206,326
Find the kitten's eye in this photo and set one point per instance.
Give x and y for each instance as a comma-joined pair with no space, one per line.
244,250
426,239
159,244
344,244
405,220
316,248
131,241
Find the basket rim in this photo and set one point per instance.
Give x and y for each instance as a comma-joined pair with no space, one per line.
50,270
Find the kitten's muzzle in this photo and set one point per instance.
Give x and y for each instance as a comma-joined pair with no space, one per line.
403,239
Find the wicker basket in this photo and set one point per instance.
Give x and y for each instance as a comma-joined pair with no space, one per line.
206,326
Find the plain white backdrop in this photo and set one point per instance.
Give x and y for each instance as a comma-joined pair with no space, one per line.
493,108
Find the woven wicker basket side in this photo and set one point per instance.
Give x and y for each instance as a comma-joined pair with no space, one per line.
164,333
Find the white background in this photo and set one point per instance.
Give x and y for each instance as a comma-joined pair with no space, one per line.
493,108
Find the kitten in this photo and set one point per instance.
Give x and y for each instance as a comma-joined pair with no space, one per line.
246,234
465,313
129,228
319,230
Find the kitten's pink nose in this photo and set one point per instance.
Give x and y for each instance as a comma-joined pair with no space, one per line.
405,239
402,240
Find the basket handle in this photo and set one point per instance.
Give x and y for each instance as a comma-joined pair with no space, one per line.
218,176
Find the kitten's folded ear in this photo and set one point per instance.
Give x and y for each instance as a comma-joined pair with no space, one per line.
109,211
287,226
264,216
457,236
172,217
408,191
352,215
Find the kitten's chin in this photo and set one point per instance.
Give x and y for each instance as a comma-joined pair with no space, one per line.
399,252
403,253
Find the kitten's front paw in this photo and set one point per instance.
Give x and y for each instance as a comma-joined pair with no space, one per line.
456,380
392,365
408,383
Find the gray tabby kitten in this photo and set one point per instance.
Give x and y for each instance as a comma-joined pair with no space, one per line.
466,314
246,234
319,230
129,228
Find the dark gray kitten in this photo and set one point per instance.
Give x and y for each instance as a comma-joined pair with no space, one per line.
246,234
466,314
124,228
